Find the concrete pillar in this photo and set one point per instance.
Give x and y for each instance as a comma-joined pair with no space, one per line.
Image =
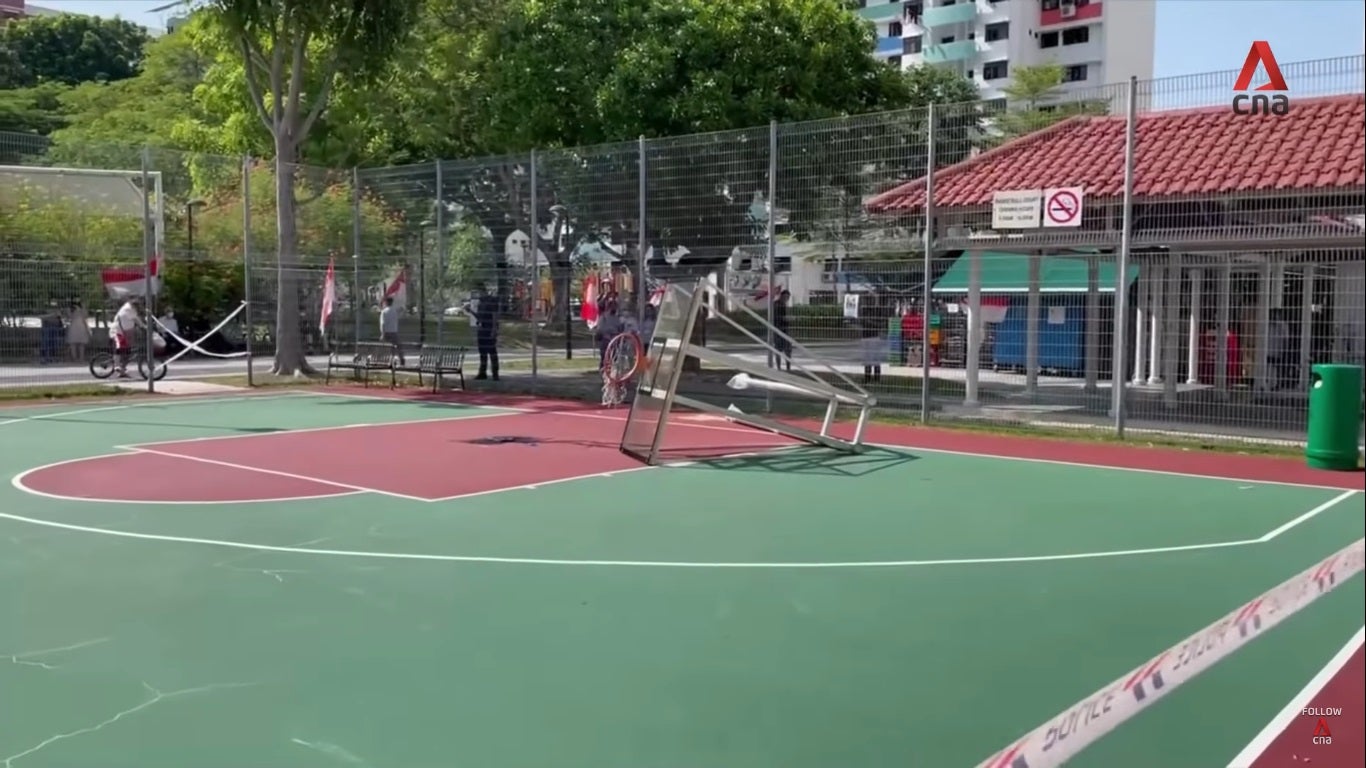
970,372
1092,326
1141,324
1193,335
1306,325
1223,298
1259,360
1158,293
1171,324
1033,305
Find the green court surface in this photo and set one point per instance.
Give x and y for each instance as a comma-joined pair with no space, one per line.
796,608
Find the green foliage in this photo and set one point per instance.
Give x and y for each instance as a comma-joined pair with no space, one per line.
469,261
1032,95
70,49
38,111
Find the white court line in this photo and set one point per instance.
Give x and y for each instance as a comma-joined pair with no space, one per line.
480,414
1286,716
276,472
422,557
180,400
18,481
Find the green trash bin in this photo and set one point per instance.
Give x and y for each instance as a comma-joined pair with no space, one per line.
1334,416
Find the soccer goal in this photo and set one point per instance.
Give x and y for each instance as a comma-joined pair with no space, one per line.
720,379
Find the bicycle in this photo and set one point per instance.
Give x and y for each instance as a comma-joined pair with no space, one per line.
103,365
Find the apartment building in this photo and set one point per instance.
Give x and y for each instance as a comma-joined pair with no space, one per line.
1096,41
18,9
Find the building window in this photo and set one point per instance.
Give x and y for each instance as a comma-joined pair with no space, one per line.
1074,74
995,106
912,44
912,12
1048,40
1076,35
1051,5
894,29
998,31
894,61
995,70
946,39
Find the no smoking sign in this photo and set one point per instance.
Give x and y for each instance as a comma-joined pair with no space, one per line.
1062,207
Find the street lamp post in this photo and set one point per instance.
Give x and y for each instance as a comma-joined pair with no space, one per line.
192,294
422,280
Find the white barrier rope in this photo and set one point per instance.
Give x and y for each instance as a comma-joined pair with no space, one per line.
193,346
1076,728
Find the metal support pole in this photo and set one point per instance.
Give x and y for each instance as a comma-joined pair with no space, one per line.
769,234
535,237
148,263
1306,325
1122,269
355,255
928,268
642,293
421,285
1197,277
1033,307
439,217
1091,344
246,265
1223,317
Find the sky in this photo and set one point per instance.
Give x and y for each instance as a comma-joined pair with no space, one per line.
1193,36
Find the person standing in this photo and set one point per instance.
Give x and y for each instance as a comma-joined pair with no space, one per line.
388,327
77,331
486,336
782,342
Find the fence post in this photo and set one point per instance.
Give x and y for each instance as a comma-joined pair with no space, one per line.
355,256
535,237
149,258
770,235
246,265
1117,377
642,293
925,289
440,219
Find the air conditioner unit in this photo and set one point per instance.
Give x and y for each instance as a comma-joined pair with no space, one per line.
1067,10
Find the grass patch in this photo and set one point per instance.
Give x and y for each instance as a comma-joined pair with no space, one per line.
64,392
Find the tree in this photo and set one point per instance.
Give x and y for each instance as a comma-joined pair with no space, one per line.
70,49
292,53
109,124
36,111
570,73
1035,103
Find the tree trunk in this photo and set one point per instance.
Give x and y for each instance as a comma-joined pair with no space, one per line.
290,359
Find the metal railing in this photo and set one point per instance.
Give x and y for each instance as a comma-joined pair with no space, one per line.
1205,290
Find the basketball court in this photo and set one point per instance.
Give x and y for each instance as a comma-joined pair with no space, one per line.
336,578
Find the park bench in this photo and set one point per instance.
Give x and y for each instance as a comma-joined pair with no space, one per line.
368,356
438,361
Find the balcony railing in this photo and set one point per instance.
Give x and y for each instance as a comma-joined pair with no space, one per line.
944,52
889,46
944,15
882,11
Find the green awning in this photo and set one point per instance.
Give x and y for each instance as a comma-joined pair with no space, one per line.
1009,273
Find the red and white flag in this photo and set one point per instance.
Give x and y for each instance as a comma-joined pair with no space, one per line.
994,308
127,282
397,288
329,294
588,308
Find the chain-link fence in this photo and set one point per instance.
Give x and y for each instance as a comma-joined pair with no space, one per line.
980,261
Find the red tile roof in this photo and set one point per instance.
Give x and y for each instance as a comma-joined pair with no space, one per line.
1320,144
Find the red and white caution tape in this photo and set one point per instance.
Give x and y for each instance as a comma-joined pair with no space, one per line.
193,346
1081,725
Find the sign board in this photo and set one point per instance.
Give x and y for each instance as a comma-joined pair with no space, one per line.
851,306
1016,209
1062,207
